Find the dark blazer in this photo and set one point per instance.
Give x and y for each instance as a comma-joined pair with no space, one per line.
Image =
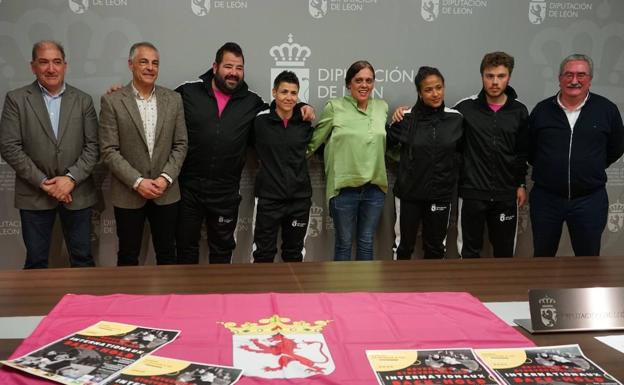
124,146
28,144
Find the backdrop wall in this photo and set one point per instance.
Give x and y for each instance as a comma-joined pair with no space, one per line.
318,39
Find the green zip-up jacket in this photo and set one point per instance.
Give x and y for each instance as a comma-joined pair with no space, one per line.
355,144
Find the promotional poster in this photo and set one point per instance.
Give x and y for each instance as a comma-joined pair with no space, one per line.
94,355
154,370
431,367
556,365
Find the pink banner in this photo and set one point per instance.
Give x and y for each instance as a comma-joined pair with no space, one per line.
286,338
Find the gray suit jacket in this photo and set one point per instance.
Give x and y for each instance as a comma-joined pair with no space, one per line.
124,146
28,144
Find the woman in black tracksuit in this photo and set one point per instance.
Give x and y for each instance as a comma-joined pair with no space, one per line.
283,188
429,139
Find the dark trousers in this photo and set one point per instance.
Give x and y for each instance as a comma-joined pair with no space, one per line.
434,216
292,216
130,223
220,216
37,232
501,218
585,216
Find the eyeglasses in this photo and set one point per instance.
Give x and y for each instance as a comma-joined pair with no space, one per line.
579,75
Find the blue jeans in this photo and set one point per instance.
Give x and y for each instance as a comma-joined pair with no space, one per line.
585,216
356,208
37,232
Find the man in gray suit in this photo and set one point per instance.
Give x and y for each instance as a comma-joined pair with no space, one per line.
48,134
143,142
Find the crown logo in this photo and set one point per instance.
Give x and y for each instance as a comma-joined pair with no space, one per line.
547,301
616,208
290,54
316,211
276,325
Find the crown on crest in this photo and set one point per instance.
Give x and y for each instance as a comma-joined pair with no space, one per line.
316,210
290,54
547,301
616,207
274,325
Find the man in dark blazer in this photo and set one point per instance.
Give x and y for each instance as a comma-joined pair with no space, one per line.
48,134
143,142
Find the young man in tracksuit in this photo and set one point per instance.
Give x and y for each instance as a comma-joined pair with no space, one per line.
492,181
283,188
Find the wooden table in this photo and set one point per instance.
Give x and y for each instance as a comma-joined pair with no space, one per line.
27,293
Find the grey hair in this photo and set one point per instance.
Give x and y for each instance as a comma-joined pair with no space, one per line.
42,43
577,57
138,45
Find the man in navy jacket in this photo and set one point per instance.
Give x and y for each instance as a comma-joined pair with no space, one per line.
574,136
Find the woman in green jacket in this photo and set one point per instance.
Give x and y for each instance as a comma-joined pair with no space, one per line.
353,131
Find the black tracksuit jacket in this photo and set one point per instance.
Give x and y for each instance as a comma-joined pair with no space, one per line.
217,145
283,172
495,148
429,140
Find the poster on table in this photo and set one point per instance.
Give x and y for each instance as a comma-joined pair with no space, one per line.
565,364
431,366
154,370
93,355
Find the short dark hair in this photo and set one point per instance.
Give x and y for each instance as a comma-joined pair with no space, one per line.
285,77
138,45
495,59
423,73
357,67
41,43
230,47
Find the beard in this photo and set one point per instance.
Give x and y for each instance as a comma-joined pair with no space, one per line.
223,86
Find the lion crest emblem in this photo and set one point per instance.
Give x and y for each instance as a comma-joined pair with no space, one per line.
276,348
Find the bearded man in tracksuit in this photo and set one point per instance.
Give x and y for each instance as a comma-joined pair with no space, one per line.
492,181
219,110
283,187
